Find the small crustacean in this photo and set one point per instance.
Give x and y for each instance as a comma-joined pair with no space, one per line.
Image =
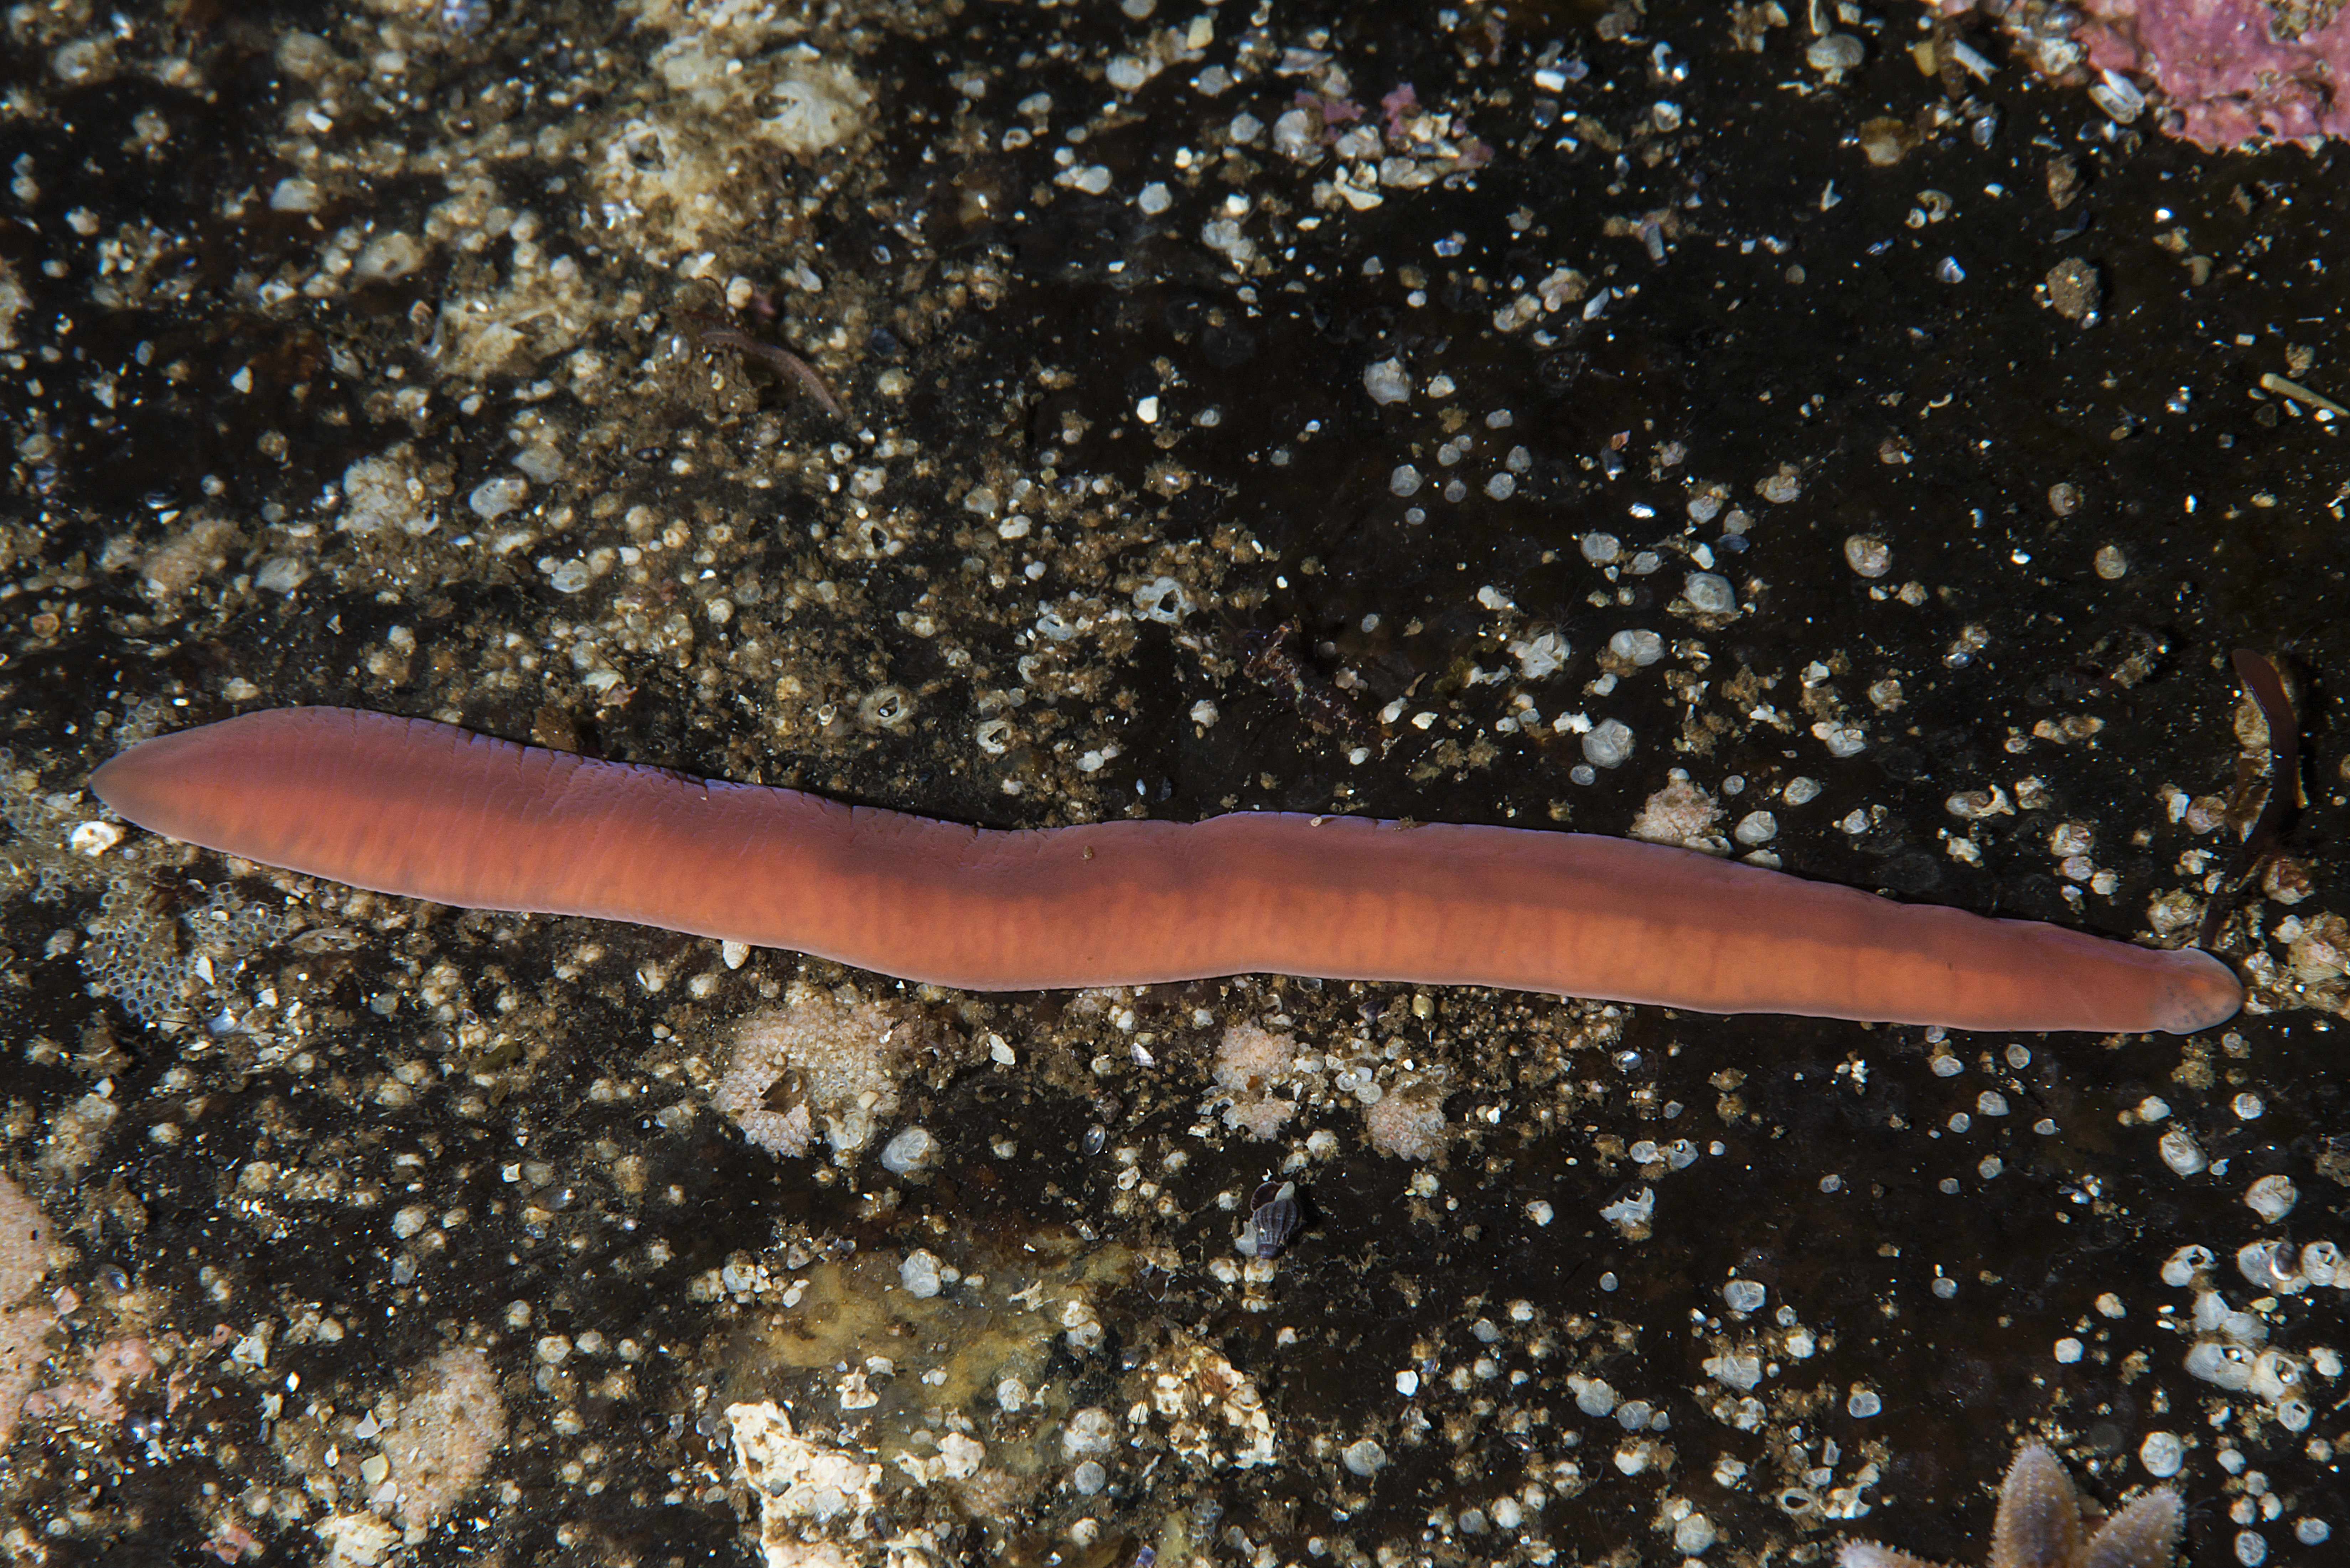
1271,1220
1271,659
2266,686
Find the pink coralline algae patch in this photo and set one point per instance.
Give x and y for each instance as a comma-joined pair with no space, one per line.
2231,72
446,1432
24,1323
97,1398
232,1543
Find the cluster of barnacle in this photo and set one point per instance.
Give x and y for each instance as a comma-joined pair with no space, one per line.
52,851
2314,971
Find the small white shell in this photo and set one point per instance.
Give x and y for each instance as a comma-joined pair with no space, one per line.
910,1153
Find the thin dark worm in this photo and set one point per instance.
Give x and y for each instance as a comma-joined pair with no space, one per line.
2267,686
781,358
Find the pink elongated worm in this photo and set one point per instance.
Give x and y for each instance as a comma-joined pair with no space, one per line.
430,811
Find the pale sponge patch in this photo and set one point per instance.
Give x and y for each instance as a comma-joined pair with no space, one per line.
823,1060
1250,1061
1407,1121
1680,813
24,1328
444,1435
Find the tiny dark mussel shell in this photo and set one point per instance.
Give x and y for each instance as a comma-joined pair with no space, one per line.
1271,1222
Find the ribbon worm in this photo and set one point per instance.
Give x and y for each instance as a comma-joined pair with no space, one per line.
430,811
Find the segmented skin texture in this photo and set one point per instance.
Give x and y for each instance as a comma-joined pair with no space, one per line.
430,811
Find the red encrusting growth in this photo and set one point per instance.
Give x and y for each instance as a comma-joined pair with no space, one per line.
430,811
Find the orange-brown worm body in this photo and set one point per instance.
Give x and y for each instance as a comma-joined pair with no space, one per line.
430,811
